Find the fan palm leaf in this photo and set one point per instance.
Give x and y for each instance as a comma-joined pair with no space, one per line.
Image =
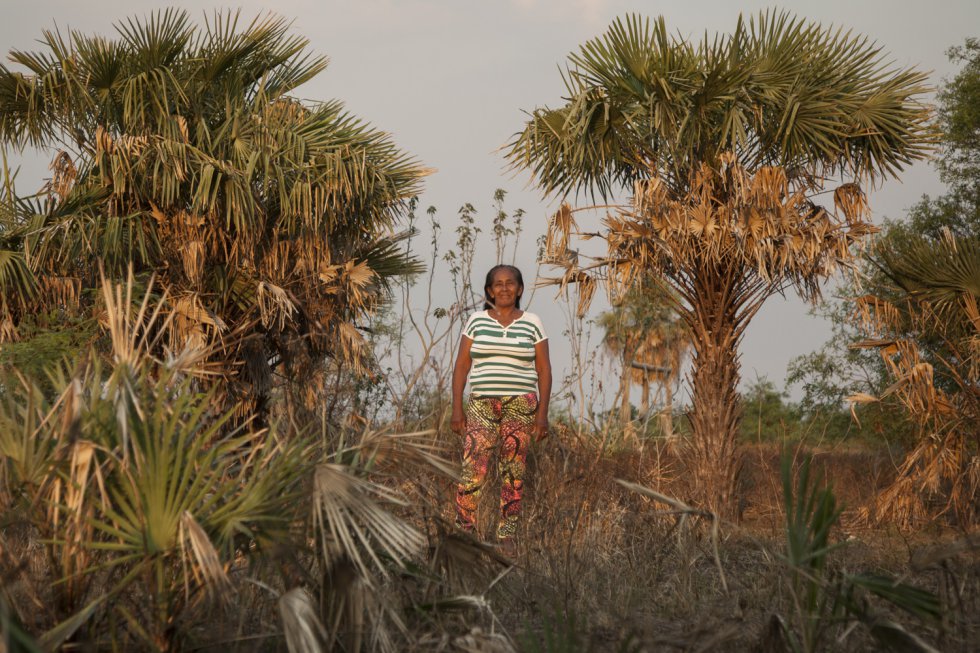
937,272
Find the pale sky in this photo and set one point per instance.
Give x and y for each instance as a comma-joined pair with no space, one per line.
450,80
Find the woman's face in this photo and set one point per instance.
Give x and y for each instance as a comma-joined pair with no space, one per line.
505,290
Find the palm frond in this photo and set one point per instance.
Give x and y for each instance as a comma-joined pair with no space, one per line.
940,272
778,91
300,623
351,522
17,283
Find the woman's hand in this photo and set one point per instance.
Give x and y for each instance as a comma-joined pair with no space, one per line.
458,422
540,427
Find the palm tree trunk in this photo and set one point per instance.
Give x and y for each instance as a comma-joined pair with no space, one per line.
667,415
715,404
645,398
626,408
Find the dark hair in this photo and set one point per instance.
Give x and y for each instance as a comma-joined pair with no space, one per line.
486,286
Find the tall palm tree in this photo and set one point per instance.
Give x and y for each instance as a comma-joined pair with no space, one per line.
180,150
722,145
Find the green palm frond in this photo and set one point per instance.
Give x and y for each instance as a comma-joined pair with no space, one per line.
26,460
811,513
778,91
387,259
182,462
937,271
16,280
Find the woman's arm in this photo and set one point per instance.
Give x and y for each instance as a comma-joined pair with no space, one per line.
460,371
542,363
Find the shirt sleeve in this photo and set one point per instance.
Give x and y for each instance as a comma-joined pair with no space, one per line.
540,335
468,328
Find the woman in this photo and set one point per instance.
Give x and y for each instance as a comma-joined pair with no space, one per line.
507,350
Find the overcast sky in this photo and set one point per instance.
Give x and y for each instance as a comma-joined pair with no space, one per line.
450,80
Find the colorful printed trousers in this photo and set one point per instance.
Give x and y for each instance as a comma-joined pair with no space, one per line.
499,425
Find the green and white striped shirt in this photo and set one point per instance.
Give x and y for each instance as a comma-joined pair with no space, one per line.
503,356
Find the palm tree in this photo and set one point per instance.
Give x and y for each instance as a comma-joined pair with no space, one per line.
644,332
723,145
179,151
927,330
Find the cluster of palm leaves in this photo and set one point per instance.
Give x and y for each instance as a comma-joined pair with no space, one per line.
928,334
723,145
178,150
134,513
645,332
823,598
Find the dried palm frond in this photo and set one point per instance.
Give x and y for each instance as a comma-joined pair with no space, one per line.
8,331
937,285
560,227
351,345
130,334
60,291
191,325
359,615
194,260
200,556
300,623
351,523
462,561
275,306
407,453
851,202
478,641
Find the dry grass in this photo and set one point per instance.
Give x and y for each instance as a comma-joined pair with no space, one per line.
600,568
368,559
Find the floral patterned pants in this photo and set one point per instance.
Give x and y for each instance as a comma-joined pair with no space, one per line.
493,423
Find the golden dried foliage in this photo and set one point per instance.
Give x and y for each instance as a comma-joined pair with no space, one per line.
63,174
939,475
754,225
201,559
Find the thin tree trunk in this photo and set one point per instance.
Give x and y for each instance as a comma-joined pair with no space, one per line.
716,409
645,398
625,408
625,381
667,415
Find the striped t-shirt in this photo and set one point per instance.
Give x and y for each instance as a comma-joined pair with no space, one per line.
503,356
